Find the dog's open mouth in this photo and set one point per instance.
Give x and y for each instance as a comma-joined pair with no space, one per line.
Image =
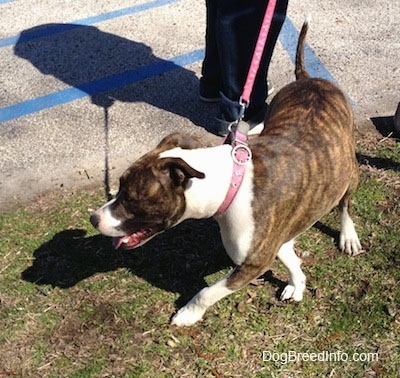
134,240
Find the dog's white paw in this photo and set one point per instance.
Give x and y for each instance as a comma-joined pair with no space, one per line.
187,315
348,238
349,243
292,292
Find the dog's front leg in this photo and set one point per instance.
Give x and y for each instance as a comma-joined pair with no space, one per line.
195,309
235,280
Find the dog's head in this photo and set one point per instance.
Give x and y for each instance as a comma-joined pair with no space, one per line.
150,199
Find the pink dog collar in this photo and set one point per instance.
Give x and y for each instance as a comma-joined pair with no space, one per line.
241,155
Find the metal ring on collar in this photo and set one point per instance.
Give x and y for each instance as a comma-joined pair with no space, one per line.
241,147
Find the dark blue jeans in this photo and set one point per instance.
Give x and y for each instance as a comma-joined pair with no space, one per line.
232,31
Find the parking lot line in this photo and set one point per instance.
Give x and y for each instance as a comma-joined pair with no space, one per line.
10,41
288,38
98,86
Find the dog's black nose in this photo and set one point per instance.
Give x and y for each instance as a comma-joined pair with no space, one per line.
95,220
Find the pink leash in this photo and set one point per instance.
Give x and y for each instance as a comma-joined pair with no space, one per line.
241,153
258,52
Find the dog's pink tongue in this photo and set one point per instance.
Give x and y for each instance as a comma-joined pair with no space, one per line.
132,241
117,242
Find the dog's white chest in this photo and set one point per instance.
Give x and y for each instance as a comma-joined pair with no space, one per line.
237,224
203,197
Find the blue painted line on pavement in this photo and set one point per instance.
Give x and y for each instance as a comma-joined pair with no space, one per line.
10,41
6,1
288,38
98,86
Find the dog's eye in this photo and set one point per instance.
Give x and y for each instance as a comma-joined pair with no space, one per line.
126,200
122,199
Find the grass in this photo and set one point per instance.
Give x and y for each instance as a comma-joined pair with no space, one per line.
71,306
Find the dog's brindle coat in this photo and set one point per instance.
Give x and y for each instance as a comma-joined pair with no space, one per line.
303,165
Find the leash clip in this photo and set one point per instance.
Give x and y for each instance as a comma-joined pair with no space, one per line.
243,105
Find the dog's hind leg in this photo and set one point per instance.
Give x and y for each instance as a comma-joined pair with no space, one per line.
297,281
348,239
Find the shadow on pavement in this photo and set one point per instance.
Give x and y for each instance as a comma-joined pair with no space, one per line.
112,68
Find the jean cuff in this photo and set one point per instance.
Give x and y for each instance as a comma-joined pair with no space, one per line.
230,110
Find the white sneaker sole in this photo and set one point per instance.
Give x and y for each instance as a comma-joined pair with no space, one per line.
256,129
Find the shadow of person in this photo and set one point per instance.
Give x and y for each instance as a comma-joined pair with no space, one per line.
378,162
385,125
111,68
176,261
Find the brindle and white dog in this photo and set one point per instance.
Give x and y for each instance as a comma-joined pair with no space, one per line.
303,165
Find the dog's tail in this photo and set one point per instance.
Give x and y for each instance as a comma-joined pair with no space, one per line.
300,70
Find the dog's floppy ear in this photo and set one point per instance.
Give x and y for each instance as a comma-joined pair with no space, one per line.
179,171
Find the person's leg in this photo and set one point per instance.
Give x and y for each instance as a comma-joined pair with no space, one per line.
237,27
210,82
260,89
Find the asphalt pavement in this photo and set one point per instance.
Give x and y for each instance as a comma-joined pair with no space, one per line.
88,87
